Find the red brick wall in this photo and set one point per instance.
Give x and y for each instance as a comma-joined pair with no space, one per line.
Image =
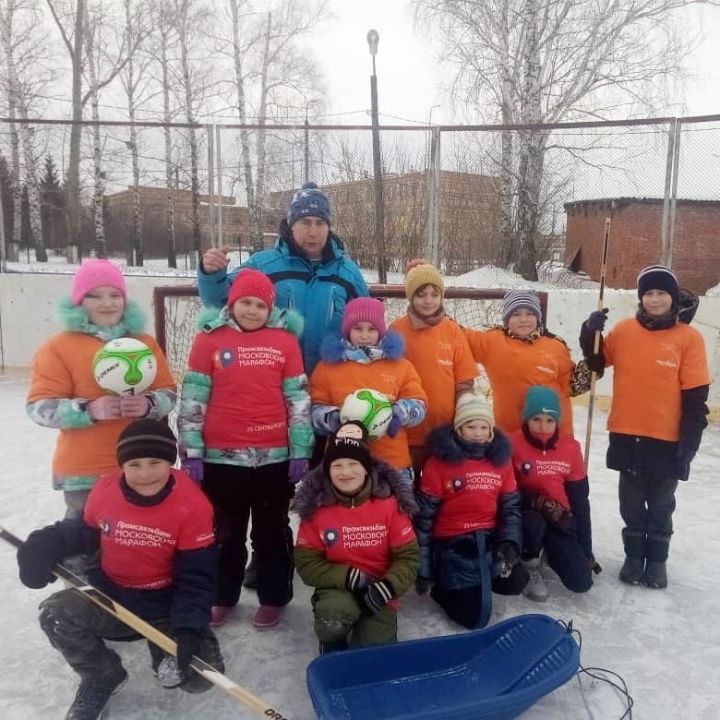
635,240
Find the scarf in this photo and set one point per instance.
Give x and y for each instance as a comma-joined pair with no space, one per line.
419,322
654,322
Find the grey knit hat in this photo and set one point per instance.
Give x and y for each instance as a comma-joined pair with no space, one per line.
515,300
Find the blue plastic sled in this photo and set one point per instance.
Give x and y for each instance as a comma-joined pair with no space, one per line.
490,674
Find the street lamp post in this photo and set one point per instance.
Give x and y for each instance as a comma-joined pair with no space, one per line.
373,38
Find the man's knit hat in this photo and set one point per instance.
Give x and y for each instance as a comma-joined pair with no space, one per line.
515,300
473,407
252,283
364,309
347,442
146,439
96,273
420,273
541,400
309,201
658,277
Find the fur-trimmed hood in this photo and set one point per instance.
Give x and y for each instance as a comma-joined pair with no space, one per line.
290,320
75,318
334,348
315,491
445,445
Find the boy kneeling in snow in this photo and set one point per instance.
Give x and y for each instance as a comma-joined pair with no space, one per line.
355,544
154,529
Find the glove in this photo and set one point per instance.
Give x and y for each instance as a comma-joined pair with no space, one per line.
422,585
195,468
106,407
507,554
189,643
596,321
377,595
134,406
399,418
356,580
37,557
594,565
554,512
298,467
332,420
684,455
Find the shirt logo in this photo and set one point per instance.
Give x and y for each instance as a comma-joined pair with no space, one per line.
455,484
224,358
330,536
526,468
545,369
667,363
105,527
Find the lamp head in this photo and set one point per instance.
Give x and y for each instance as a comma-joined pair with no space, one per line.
373,38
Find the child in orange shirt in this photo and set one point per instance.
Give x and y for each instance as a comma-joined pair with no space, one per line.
658,414
64,394
437,348
365,355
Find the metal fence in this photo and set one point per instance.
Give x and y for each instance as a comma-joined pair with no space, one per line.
461,195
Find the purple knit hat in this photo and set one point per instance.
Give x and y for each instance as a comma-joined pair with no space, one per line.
364,309
97,273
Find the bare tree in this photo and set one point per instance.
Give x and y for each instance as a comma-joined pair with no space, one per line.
545,61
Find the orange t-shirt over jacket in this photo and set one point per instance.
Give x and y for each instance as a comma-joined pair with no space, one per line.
514,364
442,357
651,368
62,370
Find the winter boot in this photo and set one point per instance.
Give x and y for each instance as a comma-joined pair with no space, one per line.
251,576
536,589
267,616
656,569
634,566
219,615
329,646
93,694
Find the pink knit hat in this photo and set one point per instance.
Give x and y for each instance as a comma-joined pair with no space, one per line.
97,273
363,309
252,283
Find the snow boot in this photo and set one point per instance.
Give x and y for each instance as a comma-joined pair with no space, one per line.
536,589
656,568
632,570
328,646
219,615
251,576
93,694
267,616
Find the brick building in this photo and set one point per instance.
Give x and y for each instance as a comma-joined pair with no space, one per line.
635,240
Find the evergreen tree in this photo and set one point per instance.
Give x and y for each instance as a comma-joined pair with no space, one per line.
52,201
6,197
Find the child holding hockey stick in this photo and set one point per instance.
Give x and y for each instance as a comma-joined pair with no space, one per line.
468,524
63,392
154,530
355,544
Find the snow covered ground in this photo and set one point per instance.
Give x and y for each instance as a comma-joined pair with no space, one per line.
666,644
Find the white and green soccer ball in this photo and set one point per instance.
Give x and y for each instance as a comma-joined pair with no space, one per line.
124,366
371,408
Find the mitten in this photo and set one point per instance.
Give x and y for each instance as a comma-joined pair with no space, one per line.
106,407
507,556
189,643
195,468
134,406
297,468
377,595
554,512
594,565
332,420
399,418
422,585
37,557
356,580
596,321
684,455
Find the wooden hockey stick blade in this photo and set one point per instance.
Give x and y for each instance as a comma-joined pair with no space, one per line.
150,632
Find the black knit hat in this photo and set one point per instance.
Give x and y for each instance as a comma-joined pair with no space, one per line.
146,439
348,442
658,277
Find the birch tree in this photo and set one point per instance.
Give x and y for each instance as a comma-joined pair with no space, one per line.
548,61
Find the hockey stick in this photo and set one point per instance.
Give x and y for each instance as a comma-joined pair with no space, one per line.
596,344
151,633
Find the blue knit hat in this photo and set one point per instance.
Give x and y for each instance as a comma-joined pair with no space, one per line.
658,277
515,300
308,202
541,400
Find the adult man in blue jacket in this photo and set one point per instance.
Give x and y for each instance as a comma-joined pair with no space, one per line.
308,266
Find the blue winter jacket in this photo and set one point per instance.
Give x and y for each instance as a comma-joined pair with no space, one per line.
318,291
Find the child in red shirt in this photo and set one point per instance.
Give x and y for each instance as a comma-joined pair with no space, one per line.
468,524
355,544
553,483
154,530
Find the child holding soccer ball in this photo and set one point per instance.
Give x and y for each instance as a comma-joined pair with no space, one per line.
244,427
365,355
469,524
439,351
355,544
63,391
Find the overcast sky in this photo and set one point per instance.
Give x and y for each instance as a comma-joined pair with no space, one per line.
408,71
